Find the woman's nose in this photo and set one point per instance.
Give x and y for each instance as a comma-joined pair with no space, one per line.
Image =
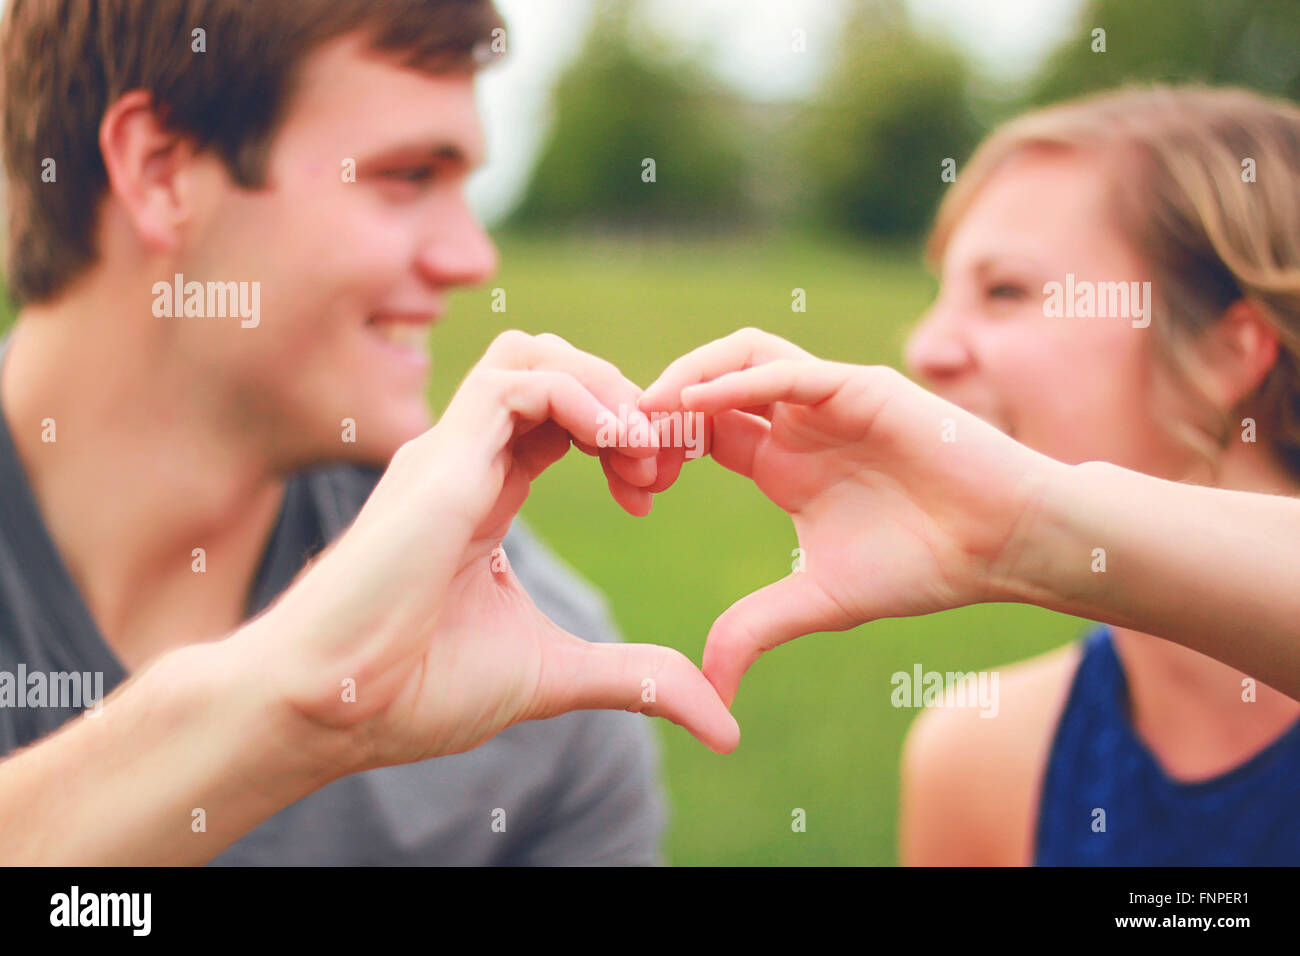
935,350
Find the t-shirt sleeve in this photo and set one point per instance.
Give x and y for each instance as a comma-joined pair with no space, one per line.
606,805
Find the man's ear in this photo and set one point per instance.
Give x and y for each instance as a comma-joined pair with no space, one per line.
147,166
1243,348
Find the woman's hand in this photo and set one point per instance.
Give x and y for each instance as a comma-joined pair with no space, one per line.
903,503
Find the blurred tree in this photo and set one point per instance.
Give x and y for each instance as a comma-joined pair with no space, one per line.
619,104
1250,43
895,105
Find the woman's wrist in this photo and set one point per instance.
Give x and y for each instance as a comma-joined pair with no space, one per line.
1046,554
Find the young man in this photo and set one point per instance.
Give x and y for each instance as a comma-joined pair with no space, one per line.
232,225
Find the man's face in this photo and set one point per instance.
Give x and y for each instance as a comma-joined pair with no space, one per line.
354,269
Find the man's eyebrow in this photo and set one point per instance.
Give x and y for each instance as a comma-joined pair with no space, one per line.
442,151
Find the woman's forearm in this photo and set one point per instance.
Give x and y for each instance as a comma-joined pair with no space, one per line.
1216,571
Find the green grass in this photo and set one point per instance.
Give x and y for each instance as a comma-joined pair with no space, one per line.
818,729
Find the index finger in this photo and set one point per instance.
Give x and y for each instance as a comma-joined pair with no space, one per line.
516,350
736,352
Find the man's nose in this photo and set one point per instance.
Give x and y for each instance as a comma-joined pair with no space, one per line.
935,350
459,251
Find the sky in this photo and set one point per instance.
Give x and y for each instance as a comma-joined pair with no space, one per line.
749,44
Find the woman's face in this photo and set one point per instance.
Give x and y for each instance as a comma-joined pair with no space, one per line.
1075,387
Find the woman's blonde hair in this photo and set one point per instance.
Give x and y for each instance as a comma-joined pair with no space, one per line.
1205,186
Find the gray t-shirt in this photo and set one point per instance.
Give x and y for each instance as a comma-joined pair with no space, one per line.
578,789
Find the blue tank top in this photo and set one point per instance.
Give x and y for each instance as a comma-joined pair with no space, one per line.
1249,816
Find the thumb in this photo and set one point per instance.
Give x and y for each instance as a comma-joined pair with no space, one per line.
642,678
758,622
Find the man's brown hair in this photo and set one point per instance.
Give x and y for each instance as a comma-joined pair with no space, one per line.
67,61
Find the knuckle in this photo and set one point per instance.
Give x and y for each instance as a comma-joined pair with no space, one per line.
506,384
551,340
490,384
510,341
553,378
669,663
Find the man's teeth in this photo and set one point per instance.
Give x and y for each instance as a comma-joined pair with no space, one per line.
405,334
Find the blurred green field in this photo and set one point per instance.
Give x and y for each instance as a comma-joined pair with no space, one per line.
818,729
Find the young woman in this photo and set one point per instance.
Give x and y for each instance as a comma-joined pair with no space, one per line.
1125,748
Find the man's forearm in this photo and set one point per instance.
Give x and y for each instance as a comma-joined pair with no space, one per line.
1179,561
181,762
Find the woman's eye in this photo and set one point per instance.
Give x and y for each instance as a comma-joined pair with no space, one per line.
1007,291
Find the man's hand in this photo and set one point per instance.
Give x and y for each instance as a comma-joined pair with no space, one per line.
408,638
412,638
